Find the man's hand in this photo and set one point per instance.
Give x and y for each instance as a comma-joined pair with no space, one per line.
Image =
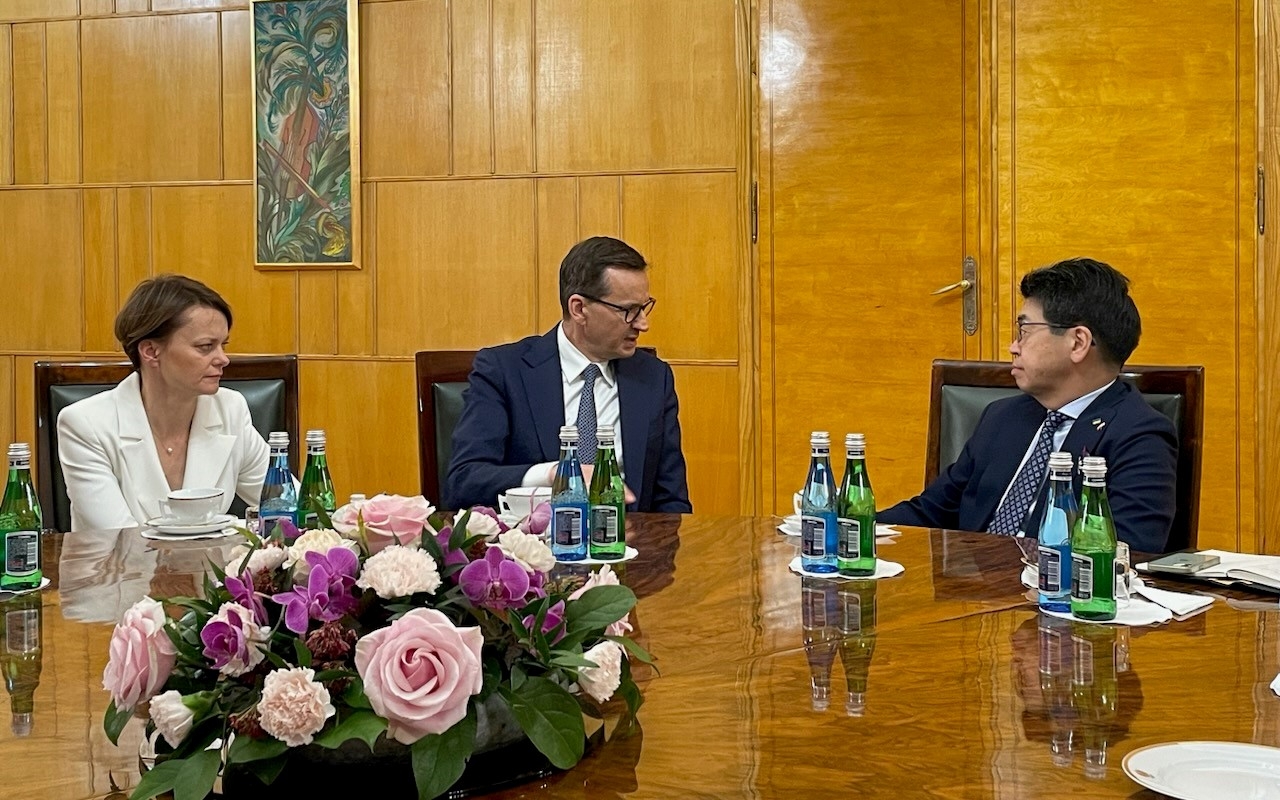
587,471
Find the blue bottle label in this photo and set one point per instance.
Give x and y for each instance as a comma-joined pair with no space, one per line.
813,535
567,526
1050,570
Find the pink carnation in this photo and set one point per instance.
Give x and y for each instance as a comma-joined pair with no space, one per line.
294,707
388,519
141,655
419,672
602,680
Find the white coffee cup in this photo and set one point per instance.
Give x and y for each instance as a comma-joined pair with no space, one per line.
192,506
520,500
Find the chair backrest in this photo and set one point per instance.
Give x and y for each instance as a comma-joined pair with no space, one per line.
442,379
960,390
269,385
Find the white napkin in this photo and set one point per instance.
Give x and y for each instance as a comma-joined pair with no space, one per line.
884,569
1137,612
1180,603
1275,685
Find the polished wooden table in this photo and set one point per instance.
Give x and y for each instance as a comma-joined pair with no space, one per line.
955,704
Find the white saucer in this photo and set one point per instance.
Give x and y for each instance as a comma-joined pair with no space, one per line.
630,553
186,528
6,594
884,569
1207,770
510,520
790,528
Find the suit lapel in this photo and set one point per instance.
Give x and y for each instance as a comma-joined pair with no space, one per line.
635,417
1091,425
1011,446
208,449
544,391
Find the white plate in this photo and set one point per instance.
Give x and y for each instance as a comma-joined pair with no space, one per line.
630,553
1207,770
222,533
182,528
789,529
884,569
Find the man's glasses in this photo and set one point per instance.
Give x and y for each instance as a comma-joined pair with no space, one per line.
1023,325
629,313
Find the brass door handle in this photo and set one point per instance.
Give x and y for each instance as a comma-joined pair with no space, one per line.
963,285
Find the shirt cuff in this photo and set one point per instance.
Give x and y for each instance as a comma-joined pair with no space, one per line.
538,475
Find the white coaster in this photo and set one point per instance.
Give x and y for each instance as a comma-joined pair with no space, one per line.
884,569
6,594
630,553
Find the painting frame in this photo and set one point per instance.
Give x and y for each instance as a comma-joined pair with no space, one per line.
305,74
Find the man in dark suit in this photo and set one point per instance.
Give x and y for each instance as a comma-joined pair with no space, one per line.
1077,327
586,371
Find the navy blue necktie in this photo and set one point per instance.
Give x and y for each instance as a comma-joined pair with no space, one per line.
1025,487
587,416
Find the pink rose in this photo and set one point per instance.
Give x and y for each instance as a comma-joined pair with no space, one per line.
419,672
605,576
388,519
141,655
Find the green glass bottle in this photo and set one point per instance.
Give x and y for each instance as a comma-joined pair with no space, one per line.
20,655
20,523
316,493
608,500
857,623
1095,691
819,636
1093,548
856,511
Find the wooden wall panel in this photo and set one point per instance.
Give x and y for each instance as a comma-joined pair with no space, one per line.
318,312
6,400
97,7
30,111
686,227
512,60
1268,273
132,6
180,5
357,315
557,211
24,400
62,67
373,443
405,80
151,104
133,239
100,300
6,104
709,433
600,205
472,81
202,231
237,97
47,317
435,240
37,9
662,95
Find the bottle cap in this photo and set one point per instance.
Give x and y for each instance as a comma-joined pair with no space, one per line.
819,438
20,450
1093,466
278,439
852,440
604,433
569,433
21,724
357,498
1060,460
315,437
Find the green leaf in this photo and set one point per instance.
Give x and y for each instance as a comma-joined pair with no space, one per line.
439,759
195,781
550,718
517,676
362,724
244,749
114,720
159,779
571,660
354,695
599,607
638,652
333,674
267,771
303,652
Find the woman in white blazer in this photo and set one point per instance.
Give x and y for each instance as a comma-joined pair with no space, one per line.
168,425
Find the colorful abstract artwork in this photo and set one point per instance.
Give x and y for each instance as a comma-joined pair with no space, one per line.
306,133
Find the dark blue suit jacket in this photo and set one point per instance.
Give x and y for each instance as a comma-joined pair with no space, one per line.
513,410
1138,442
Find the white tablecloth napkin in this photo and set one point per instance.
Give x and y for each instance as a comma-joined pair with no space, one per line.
884,569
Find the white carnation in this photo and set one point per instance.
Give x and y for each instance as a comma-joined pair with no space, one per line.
602,681
482,525
318,541
527,550
264,559
172,718
399,572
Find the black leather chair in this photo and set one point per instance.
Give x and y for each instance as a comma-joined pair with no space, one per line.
268,383
442,379
960,391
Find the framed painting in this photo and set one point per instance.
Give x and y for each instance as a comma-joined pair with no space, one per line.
306,136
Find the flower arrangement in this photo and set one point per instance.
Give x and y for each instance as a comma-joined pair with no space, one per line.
388,625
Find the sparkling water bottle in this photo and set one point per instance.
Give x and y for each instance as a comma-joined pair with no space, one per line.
1060,515
819,531
279,500
1093,548
569,507
20,524
856,550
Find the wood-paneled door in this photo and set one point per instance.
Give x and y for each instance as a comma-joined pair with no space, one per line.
869,202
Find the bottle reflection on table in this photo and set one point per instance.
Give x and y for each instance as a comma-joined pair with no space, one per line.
818,612
20,655
1055,686
1095,690
857,623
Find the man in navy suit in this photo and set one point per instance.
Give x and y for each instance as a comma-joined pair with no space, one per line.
586,371
1077,327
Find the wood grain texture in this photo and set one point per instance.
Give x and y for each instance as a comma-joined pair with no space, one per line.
355,430
62,49
406,108
857,95
133,239
558,230
97,7
6,399
6,104
199,231
512,85
709,430
1268,274
151,103
50,222
183,5
357,315
130,6
438,278
37,9
317,312
100,299
658,96
30,106
237,97
473,80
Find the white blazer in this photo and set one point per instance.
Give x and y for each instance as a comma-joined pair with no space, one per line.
113,474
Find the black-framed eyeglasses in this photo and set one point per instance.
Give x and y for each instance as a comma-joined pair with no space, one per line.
629,313
1023,325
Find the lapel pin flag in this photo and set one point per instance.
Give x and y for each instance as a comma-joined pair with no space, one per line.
1098,424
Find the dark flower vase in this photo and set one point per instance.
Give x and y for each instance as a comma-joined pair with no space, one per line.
503,757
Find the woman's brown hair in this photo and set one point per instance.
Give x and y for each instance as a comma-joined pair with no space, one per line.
158,306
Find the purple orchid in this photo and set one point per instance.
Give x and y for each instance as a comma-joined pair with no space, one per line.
495,581
242,592
232,640
553,620
538,520
536,582
451,556
491,514
328,594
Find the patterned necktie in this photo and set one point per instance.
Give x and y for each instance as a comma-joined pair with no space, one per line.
1009,517
587,416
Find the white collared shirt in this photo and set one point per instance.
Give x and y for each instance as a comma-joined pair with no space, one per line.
1072,410
572,364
